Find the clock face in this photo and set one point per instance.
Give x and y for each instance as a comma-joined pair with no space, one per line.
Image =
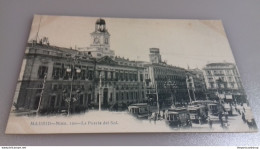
96,40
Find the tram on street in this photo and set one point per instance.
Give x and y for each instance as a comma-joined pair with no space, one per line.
178,117
198,113
139,110
228,108
213,109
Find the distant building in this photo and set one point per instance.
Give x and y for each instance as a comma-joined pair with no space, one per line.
170,80
155,56
223,82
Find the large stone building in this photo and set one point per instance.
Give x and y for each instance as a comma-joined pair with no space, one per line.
50,75
54,79
122,81
169,80
223,82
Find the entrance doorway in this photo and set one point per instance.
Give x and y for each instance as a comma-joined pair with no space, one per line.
52,102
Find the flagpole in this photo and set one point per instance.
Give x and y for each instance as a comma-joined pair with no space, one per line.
100,86
157,99
37,34
187,83
43,87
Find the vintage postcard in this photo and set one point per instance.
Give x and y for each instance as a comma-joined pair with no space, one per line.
120,75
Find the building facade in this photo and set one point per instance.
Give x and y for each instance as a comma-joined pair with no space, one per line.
55,79
223,82
50,75
169,80
122,82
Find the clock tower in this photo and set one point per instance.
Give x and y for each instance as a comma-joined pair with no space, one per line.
100,41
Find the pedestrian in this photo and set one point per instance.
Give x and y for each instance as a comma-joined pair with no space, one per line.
254,124
163,114
210,123
243,117
159,115
155,118
220,119
200,122
226,125
249,124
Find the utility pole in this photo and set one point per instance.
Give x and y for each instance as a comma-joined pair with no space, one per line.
73,69
189,94
69,103
37,34
187,83
172,87
193,93
157,98
43,86
100,88
193,88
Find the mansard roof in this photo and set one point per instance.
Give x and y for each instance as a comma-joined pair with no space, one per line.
219,64
106,60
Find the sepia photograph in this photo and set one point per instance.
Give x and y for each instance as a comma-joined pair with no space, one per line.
122,75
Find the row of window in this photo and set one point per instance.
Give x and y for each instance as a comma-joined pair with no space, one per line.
61,72
58,100
120,76
229,79
176,84
169,77
163,71
56,87
221,85
58,73
221,72
128,95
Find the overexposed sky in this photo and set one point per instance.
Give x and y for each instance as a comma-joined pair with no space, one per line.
181,42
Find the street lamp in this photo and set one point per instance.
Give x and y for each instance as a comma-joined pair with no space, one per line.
172,86
71,69
219,81
153,90
100,92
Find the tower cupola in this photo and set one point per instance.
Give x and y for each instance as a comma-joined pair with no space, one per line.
101,25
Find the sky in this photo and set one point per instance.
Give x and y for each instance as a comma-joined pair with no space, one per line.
182,43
